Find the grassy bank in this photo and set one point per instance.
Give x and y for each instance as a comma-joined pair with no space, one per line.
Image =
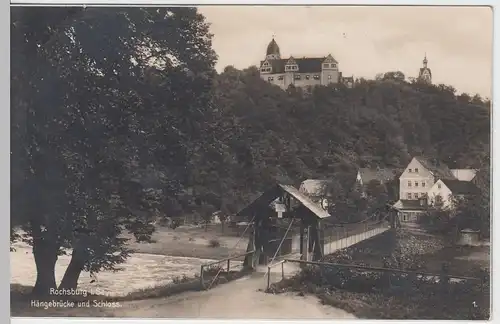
397,296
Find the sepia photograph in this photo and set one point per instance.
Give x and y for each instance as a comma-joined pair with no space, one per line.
251,162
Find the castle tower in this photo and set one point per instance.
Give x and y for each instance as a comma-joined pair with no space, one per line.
273,51
425,74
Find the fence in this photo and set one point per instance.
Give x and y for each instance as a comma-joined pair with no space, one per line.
220,269
336,238
269,267
332,238
444,277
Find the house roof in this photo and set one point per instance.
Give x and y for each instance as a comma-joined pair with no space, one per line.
304,200
437,168
306,64
464,174
382,175
403,204
266,198
314,188
458,187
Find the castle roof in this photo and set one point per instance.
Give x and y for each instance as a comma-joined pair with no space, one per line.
306,64
273,48
425,69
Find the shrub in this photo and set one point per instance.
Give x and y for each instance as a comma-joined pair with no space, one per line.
214,243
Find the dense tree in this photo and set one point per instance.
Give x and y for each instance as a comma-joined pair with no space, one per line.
108,103
331,132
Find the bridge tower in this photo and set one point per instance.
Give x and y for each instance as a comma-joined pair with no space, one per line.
283,202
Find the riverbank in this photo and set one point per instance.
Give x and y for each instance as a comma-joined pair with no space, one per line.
372,296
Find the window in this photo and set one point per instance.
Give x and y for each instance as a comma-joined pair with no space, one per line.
423,183
297,77
422,194
268,69
410,170
415,195
334,65
416,183
316,77
307,77
326,65
266,64
270,79
408,195
409,184
280,77
439,186
329,77
263,70
416,170
406,217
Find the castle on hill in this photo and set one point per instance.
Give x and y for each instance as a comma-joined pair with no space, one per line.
310,71
301,72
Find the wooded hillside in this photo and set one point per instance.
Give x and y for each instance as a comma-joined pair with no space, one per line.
259,132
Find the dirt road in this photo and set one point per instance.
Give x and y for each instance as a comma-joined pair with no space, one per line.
239,299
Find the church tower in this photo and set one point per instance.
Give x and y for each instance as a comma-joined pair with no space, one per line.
273,51
425,74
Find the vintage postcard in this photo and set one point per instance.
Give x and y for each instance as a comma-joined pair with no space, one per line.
251,162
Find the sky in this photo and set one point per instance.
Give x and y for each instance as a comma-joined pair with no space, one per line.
365,40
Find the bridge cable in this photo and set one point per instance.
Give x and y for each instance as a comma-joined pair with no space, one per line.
281,243
283,239
234,247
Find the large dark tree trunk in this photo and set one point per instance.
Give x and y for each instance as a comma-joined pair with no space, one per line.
72,273
45,254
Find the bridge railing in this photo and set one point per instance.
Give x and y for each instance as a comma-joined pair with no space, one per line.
221,266
344,236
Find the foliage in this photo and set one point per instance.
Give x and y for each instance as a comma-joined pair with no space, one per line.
437,220
375,294
214,243
262,132
98,138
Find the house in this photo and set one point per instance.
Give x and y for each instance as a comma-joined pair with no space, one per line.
426,180
443,191
367,175
410,210
420,175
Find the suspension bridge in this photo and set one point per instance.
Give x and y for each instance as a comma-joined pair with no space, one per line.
284,223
